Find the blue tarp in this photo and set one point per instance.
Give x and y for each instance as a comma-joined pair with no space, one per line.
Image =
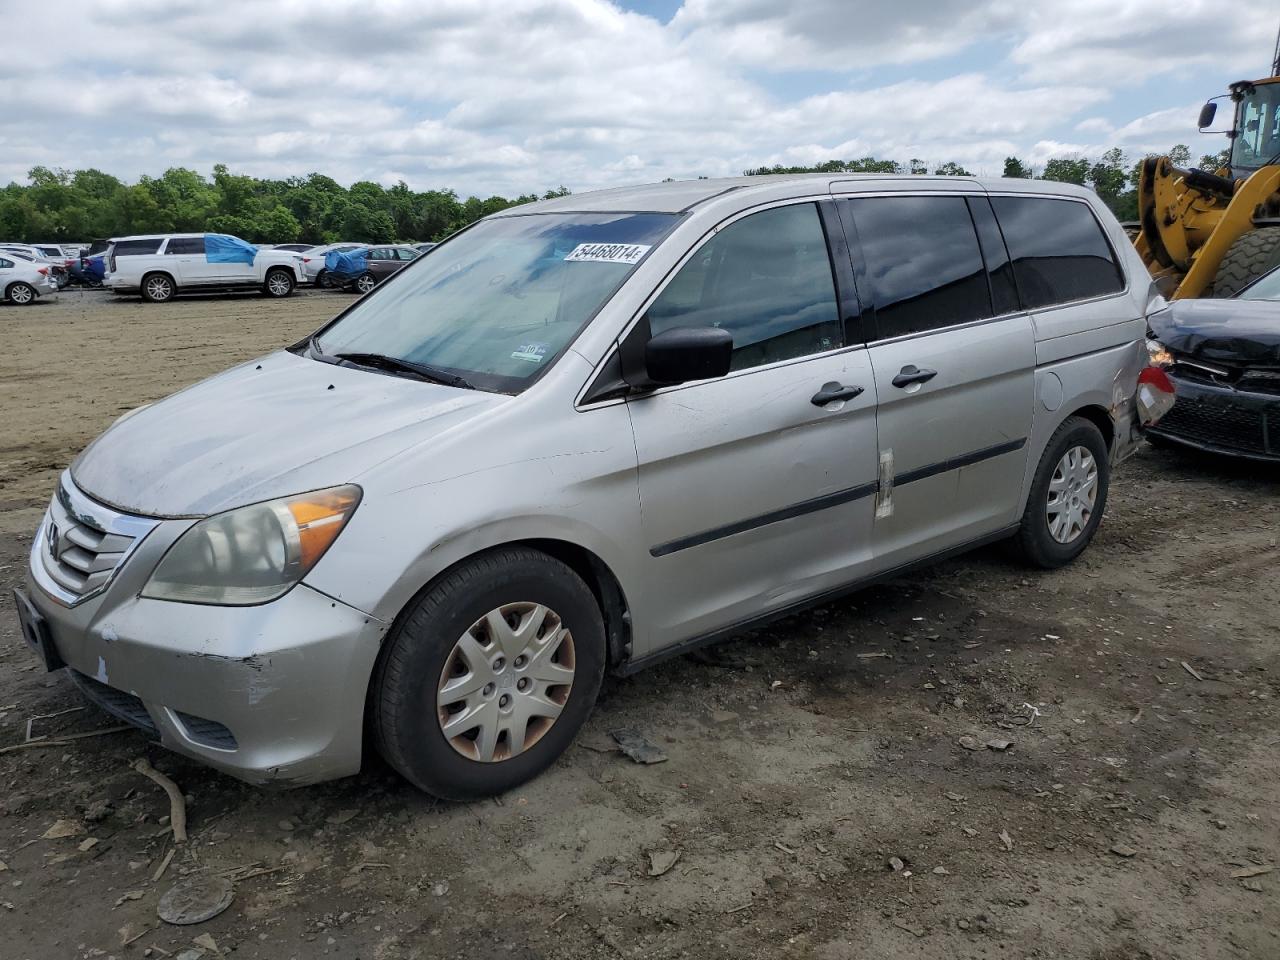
221,248
351,264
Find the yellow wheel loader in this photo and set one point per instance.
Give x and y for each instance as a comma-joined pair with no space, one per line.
1208,234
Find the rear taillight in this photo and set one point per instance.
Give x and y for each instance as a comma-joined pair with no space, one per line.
43,271
306,259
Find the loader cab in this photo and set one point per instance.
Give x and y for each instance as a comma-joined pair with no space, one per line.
1255,134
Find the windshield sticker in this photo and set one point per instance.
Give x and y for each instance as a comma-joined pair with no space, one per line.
533,352
608,253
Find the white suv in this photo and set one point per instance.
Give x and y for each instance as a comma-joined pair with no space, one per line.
160,266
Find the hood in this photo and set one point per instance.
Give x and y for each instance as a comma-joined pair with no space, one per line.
269,428
1230,331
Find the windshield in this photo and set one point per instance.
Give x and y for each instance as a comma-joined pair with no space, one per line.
1266,287
498,303
1258,139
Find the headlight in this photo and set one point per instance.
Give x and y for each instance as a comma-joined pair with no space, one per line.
1158,354
252,554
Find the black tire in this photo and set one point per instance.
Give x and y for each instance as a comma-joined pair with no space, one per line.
1034,540
402,702
278,282
20,294
1252,255
158,288
322,280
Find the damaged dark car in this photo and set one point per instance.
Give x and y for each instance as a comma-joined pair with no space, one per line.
1224,358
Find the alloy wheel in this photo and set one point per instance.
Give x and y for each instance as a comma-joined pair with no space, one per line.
505,682
158,288
365,283
21,294
278,284
1073,491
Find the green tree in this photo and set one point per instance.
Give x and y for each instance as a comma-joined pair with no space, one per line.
1066,170
1013,168
1216,161
951,169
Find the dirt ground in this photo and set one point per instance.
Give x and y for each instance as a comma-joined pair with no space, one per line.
1138,688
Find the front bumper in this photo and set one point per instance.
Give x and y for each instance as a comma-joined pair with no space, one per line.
1219,419
271,694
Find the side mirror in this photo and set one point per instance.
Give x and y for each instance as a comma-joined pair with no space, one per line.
1207,113
688,353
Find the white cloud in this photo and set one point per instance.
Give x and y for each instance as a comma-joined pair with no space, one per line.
516,95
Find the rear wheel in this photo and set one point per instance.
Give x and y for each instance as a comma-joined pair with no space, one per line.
1252,255
20,293
1068,495
365,283
490,674
322,279
278,283
157,287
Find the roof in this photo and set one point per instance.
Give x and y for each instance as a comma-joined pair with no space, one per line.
678,196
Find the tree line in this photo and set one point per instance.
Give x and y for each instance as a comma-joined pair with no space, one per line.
79,205
1112,176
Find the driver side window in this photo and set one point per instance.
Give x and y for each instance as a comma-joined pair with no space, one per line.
767,280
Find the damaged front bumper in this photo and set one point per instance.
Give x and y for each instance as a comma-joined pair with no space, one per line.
271,694
1217,418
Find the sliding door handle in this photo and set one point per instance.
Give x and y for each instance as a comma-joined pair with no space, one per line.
833,391
912,374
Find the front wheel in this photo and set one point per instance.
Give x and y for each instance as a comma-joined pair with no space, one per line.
279,283
490,674
21,294
1068,495
365,283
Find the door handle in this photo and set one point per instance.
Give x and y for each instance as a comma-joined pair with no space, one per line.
912,374
833,391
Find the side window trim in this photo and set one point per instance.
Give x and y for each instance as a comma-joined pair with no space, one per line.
870,327
987,227
853,318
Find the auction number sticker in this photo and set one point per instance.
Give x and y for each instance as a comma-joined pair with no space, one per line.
608,253
532,352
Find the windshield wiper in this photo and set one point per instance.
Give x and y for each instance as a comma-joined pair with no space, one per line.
422,371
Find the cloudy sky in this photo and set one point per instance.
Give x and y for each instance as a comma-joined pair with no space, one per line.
516,95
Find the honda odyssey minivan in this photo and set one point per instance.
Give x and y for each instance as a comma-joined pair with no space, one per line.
583,435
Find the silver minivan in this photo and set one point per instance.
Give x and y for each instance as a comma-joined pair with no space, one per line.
583,435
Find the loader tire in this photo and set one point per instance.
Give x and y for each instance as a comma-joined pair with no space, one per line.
1252,255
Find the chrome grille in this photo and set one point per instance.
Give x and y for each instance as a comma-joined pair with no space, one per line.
82,543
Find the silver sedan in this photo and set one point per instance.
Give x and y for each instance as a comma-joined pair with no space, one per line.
22,280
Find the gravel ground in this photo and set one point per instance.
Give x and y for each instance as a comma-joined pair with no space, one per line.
806,761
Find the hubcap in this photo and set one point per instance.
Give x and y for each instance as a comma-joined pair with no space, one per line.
158,288
505,682
20,294
279,284
1073,491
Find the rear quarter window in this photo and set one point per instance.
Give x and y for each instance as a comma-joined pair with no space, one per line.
1058,249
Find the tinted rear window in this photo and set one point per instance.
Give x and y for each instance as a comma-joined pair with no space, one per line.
923,264
134,248
1058,249
185,245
